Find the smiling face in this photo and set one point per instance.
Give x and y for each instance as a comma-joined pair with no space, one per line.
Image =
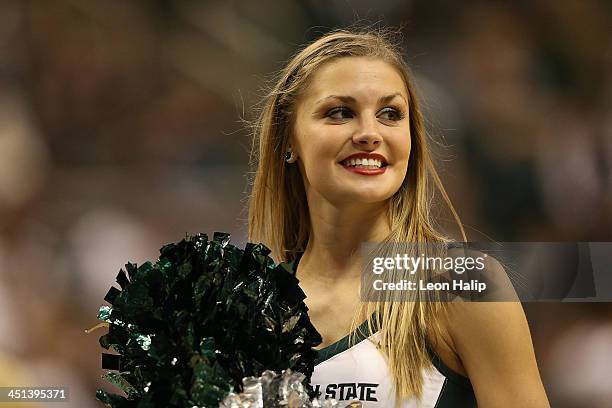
353,106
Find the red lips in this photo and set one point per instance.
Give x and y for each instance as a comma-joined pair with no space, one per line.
364,171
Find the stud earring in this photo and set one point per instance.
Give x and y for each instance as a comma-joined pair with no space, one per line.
289,156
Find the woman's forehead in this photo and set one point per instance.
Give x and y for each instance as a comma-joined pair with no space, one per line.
352,76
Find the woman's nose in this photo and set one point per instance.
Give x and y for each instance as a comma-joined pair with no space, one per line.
368,133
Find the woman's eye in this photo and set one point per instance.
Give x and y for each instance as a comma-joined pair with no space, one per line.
392,114
339,113
342,112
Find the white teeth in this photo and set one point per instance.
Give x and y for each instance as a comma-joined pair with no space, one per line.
363,162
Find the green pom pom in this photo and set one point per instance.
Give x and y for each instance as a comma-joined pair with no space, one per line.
191,325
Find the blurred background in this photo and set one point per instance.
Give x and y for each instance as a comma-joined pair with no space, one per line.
120,131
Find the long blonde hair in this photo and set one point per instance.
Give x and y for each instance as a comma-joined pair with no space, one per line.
278,210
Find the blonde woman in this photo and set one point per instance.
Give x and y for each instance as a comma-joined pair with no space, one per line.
341,158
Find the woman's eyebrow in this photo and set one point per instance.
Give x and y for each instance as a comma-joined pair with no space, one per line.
350,99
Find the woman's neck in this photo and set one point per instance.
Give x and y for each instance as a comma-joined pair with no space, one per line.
336,235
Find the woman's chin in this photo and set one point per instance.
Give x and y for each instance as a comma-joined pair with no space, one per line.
363,197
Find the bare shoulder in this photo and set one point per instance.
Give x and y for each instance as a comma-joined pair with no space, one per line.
493,342
499,287
451,319
463,318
